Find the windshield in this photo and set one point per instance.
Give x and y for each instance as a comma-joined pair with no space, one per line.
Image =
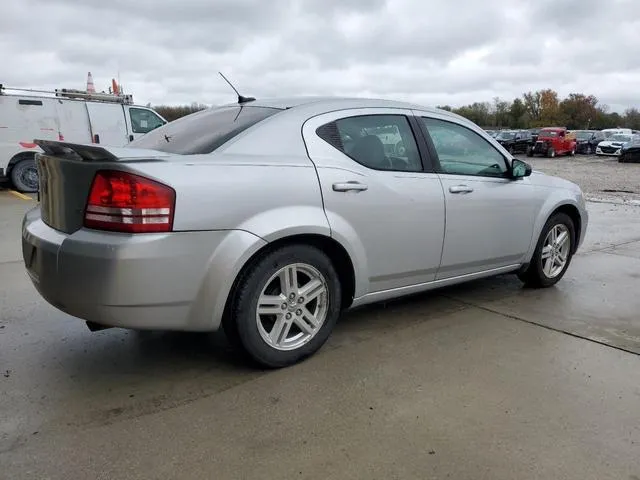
506,135
620,138
583,135
548,133
204,131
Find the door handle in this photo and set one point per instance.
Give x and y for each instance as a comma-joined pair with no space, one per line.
460,189
349,187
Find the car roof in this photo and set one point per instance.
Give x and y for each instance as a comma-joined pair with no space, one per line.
320,104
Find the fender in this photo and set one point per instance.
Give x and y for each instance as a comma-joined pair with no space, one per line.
554,201
284,222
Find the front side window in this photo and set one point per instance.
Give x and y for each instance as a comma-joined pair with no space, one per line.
462,151
143,121
380,142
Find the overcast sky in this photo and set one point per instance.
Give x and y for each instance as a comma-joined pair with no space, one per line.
430,51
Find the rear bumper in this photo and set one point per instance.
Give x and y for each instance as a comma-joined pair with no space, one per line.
176,281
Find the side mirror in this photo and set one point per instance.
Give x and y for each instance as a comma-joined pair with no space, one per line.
519,169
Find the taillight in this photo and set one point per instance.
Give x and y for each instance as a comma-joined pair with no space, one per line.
124,202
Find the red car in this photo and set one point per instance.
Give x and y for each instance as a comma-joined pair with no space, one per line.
554,141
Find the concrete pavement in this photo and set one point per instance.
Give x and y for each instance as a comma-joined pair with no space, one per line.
487,380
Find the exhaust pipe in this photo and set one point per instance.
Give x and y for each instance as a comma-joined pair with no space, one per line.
95,327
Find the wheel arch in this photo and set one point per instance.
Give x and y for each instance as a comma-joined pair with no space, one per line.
25,155
332,248
574,214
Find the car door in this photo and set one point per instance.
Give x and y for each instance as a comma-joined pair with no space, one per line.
489,217
380,195
108,126
141,121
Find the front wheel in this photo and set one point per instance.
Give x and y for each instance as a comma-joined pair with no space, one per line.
551,153
553,253
286,306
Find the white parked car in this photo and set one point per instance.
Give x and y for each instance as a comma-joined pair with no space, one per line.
63,115
613,145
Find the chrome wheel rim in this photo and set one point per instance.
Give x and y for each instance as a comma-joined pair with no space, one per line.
292,306
555,250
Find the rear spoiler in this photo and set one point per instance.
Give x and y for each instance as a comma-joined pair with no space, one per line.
88,153
96,153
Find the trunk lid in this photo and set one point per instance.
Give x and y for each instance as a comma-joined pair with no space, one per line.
66,172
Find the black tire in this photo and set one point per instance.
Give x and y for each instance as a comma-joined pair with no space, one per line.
534,275
572,153
241,325
551,153
589,150
24,175
510,149
529,152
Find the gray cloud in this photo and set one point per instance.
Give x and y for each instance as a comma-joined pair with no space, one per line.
435,52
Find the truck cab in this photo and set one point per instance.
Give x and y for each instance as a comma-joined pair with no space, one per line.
553,141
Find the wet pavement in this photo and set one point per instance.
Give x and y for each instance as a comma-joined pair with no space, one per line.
485,380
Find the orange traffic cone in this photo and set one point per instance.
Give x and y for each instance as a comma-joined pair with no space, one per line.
90,87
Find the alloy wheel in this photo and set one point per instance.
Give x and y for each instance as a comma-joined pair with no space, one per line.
555,250
292,306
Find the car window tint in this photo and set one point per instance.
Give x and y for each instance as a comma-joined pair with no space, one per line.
462,151
203,131
380,142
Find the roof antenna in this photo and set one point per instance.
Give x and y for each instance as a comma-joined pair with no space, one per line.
241,99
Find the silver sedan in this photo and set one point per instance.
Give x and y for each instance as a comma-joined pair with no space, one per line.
269,218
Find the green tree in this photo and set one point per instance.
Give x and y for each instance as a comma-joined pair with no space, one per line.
518,116
501,115
579,110
173,112
632,118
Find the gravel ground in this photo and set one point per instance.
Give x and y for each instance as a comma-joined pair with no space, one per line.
601,178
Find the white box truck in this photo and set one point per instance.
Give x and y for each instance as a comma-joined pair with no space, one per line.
67,115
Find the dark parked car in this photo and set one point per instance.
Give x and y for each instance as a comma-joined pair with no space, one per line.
588,140
631,152
534,134
515,140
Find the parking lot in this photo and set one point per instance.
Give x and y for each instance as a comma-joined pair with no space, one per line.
486,380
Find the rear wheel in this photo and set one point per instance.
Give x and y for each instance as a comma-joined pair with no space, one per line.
553,253
529,152
286,306
24,175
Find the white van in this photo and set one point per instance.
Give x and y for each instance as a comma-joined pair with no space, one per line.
65,115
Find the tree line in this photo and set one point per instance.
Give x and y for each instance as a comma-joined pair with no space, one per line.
542,108
171,112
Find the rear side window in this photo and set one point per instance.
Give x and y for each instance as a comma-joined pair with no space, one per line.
203,131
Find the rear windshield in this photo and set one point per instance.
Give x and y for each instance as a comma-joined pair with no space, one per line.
204,131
